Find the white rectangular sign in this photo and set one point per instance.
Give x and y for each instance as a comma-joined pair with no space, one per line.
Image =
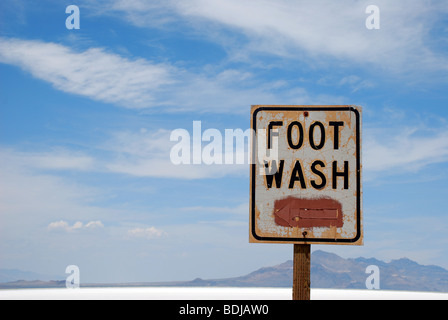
306,175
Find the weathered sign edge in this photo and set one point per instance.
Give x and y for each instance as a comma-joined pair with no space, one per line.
359,238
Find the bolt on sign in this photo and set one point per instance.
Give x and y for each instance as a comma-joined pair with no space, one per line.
306,175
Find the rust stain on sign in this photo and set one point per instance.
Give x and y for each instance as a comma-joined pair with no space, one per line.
306,175
308,213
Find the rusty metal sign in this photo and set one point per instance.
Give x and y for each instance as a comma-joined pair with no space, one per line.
306,175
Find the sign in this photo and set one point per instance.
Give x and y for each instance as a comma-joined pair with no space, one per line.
306,175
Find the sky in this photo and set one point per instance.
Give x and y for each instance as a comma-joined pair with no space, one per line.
86,117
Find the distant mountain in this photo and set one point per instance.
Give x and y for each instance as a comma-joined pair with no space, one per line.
33,284
276,276
331,271
11,275
328,270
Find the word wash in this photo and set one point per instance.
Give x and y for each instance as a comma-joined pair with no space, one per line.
316,138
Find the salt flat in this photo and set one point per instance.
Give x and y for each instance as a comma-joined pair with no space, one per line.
210,294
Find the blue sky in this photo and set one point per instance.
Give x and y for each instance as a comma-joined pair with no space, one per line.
86,116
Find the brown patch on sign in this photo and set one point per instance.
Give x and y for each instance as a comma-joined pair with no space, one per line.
308,213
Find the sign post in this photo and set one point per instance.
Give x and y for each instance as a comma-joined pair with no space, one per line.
305,180
301,285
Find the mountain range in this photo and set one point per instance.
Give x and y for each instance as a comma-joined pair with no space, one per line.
12,275
328,270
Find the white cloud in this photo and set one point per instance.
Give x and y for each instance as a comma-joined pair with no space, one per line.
94,225
309,30
139,83
146,233
356,83
403,150
28,194
59,159
329,28
58,225
141,143
165,169
394,150
65,226
306,29
241,209
147,154
142,153
94,73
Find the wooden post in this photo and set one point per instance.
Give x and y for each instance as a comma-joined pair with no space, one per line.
301,286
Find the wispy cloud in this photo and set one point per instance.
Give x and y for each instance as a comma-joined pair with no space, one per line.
30,192
305,29
404,150
241,209
93,73
147,154
143,153
58,159
356,83
330,29
389,149
146,233
139,83
385,150
77,226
